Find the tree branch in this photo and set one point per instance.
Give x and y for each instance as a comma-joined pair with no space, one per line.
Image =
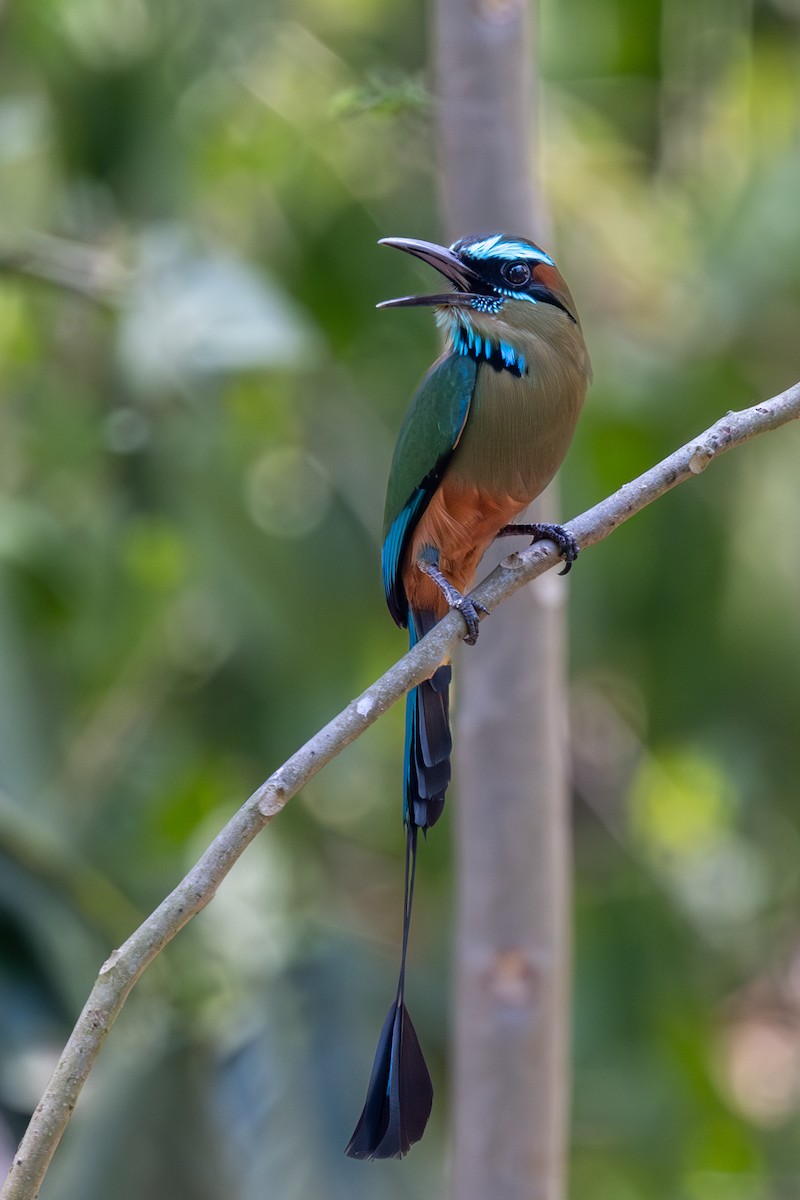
118,975
89,271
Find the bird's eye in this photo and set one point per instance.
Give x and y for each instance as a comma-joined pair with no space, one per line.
516,273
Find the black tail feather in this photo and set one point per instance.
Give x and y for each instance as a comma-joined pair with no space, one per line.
428,741
400,1092
399,1096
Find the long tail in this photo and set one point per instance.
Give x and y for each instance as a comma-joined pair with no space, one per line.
400,1093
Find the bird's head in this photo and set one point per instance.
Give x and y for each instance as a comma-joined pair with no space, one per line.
504,289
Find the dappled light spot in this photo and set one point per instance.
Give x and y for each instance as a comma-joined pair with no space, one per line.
199,638
354,785
155,553
195,311
760,1062
287,492
683,810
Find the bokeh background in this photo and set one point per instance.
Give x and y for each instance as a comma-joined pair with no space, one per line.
198,403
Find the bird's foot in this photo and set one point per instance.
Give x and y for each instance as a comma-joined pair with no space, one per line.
469,609
541,531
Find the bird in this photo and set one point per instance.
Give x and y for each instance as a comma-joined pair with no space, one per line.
484,434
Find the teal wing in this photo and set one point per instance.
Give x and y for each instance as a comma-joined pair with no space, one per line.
429,435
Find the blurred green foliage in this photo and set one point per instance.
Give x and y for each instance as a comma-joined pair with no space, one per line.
197,410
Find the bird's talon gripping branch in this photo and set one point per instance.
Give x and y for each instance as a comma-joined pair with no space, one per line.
541,531
468,608
469,611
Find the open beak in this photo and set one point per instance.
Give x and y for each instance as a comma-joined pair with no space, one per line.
447,263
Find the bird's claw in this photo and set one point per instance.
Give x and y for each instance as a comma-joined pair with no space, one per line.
542,531
568,548
469,610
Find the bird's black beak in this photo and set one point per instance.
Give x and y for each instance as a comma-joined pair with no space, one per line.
447,263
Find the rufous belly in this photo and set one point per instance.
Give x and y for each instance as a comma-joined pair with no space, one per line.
460,522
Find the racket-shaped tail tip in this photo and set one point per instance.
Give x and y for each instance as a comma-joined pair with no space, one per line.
399,1096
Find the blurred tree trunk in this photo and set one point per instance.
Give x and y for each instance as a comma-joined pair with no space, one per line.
511,1081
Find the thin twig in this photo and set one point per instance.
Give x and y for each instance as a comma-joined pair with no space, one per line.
88,271
119,974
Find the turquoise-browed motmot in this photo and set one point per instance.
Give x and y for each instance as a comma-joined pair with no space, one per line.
484,435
